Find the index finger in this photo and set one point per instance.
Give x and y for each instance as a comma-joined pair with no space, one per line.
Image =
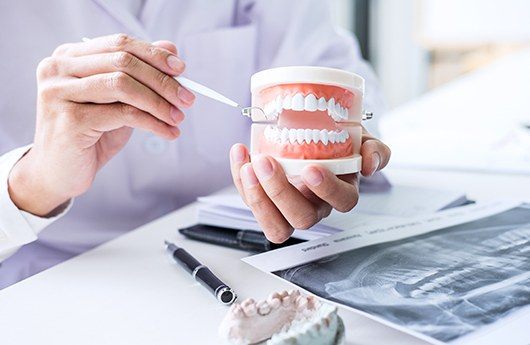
156,56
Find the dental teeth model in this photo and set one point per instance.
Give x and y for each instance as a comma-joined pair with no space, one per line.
285,318
310,115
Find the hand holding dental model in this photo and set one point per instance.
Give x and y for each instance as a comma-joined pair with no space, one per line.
306,152
90,96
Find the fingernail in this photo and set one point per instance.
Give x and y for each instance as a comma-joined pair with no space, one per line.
263,168
185,95
175,63
176,115
175,131
248,177
237,154
376,160
313,176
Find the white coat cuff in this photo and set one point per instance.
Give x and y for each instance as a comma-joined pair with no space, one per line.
16,226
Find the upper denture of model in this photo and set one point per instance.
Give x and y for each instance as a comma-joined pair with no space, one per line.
307,121
334,100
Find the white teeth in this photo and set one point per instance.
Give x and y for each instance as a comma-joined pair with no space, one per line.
331,108
301,303
308,103
250,309
236,310
248,301
324,136
285,135
274,301
304,136
294,294
332,137
272,109
338,110
267,108
342,113
286,104
316,135
263,308
298,102
322,104
292,136
286,301
308,136
300,135
278,104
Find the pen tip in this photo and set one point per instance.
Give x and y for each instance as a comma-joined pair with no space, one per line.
167,243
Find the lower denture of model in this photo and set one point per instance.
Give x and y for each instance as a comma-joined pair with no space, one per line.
284,318
307,121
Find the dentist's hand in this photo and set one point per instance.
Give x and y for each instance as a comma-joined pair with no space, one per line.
281,204
90,97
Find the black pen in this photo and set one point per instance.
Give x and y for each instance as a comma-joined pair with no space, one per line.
202,274
248,240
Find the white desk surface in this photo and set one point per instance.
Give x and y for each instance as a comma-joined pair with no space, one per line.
128,292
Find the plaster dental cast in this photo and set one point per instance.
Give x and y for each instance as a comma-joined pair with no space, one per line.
97,138
284,318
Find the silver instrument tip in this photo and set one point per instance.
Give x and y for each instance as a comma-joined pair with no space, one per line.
368,115
247,111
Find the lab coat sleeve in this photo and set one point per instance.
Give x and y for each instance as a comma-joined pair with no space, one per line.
301,32
18,227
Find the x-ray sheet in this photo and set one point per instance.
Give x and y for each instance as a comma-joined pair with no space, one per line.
460,276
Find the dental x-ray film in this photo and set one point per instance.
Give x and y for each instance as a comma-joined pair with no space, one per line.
444,284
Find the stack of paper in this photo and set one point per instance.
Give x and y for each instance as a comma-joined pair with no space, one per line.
229,211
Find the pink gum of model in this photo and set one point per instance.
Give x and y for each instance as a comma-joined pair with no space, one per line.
313,121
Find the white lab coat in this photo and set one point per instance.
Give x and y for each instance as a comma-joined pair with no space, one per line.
223,42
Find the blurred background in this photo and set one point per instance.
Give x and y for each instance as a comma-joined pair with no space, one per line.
456,76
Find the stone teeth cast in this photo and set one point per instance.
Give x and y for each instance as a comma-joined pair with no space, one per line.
283,318
250,307
308,103
304,136
263,308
